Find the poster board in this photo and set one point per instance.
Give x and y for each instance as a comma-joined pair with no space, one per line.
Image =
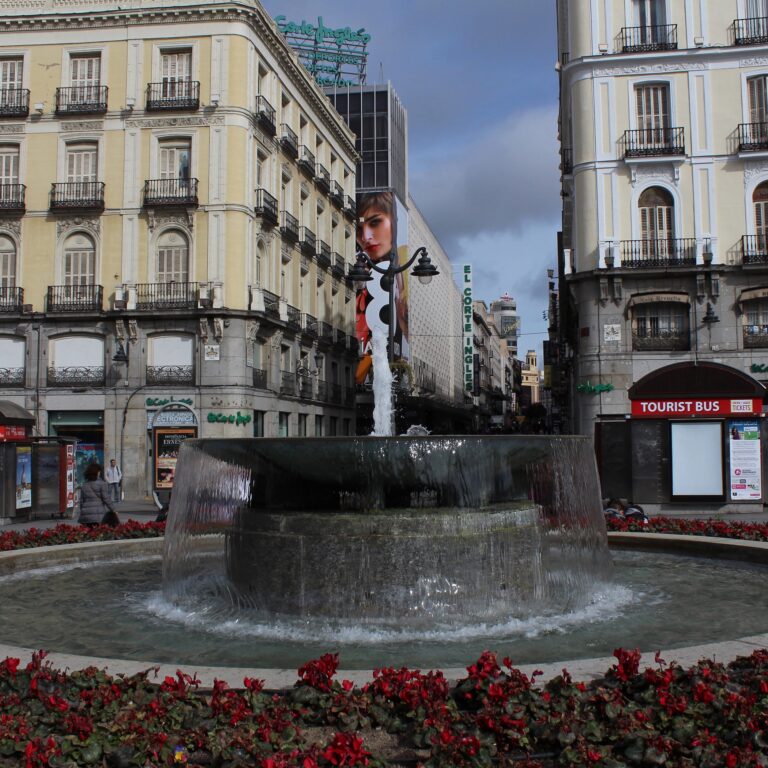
23,476
697,459
166,443
745,461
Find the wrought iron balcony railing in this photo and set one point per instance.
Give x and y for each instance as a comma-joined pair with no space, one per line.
289,227
265,115
170,192
665,252
173,94
654,142
323,254
322,178
753,137
289,141
170,295
74,298
12,377
322,391
81,100
750,31
307,241
309,324
337,265
14,102
266,207
271,304
12,197
755,336
305,387
337,194
566,161
326,331
11,299
259,378
170,375
661,37
306,160
754,249
350,207
76,376
287,383
661,341
74,195
294,318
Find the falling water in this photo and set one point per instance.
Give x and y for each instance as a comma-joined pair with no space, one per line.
382,386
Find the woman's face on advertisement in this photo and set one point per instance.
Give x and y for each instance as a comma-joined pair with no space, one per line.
374,234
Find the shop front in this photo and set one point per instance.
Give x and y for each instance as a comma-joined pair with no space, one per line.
87,429
694,434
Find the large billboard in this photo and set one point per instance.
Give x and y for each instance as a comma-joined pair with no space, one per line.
382,234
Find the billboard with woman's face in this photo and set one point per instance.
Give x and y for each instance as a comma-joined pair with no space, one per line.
382,234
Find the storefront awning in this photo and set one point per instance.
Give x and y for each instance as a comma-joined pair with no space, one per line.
659,298
10,413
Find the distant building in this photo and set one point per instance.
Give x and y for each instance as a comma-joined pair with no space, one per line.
507,320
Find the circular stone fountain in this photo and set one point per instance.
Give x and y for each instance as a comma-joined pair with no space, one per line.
414,531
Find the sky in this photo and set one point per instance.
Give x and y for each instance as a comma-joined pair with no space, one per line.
479,84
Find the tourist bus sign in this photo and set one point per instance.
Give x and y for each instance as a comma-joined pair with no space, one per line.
334,57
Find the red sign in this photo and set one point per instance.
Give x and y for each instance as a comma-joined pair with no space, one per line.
703,407
12,432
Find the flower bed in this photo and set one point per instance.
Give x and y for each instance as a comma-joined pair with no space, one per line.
77,534
708,715
711,527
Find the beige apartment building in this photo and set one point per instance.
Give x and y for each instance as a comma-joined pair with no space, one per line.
176,216
664,260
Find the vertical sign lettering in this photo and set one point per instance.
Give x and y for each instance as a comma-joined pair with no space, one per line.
466,324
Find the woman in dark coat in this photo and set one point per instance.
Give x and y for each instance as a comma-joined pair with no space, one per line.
95,500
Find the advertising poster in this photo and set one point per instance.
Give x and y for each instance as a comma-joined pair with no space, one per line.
382,234
87,453
744,445
23,476
167,443
70,452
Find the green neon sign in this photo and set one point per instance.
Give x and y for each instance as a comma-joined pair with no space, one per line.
154,401
229,418
321,33
594,389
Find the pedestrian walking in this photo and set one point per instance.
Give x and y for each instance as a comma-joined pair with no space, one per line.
113,476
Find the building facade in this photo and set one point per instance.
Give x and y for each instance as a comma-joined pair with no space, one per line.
176,217
664,254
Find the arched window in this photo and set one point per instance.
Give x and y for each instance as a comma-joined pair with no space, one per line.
259,265
79,260
657,223
660,326
173,257
7,262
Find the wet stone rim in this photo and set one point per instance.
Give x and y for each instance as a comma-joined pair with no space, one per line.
21,560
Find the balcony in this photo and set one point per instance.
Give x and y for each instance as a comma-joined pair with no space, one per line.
336,393
287,383
265,116
266,207
306,160
14,102
74,298
170,192
322,178
76,376
753,137
77,195
750,31
337,265
305,387
173,94
662,341
289,141
666,252
755,337
323,254
81,100
289,228
307,241
662,37
170,375
754,249
170,295
12,198
654,142
309,324
259,378
350,207
336,194
12,377
11,299
322,391
294,318
271,304
326,331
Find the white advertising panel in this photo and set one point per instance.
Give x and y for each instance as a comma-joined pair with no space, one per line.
697,459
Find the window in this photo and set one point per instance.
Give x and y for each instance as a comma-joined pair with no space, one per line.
82,163
302,425
757,9
332,426
760,206
79,260
650,13
172,257
660,326
318,426
657,228
175,73
12,359
258,423
7,263
11,71
756,323
85,77
282,424
175,156
756,94
259,261
10,192
652,112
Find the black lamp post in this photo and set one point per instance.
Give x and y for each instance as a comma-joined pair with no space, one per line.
360,272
